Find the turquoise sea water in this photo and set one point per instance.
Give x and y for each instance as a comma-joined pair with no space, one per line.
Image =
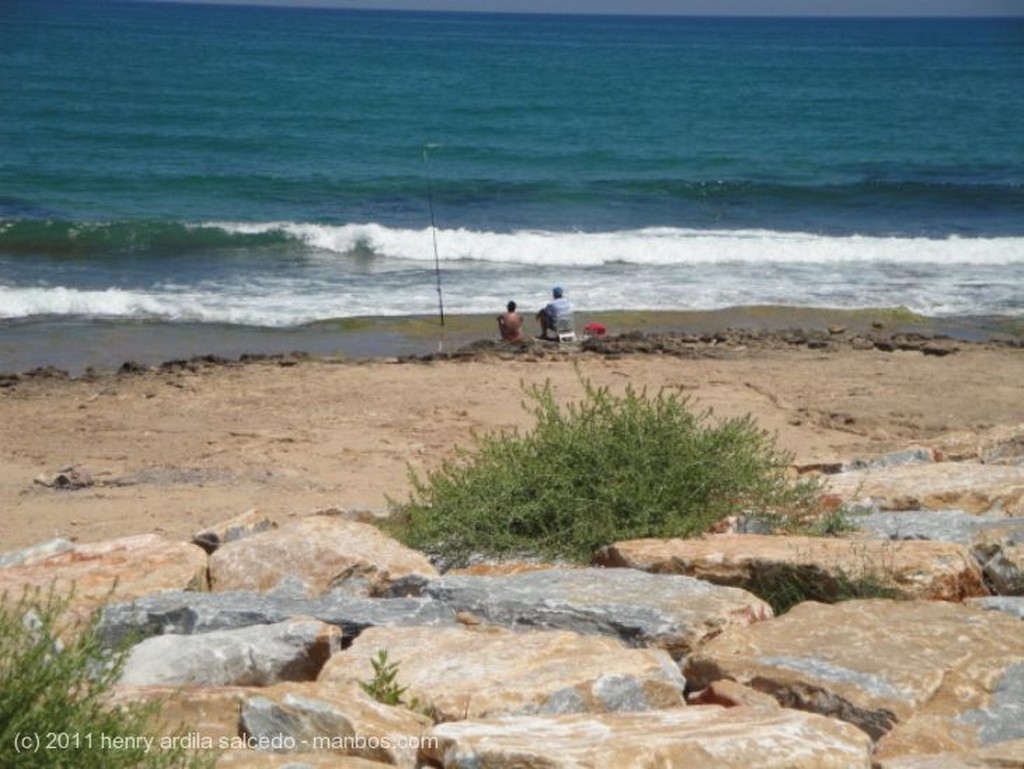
267,167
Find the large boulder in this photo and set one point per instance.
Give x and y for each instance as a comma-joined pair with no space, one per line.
252,656
677,738
1000,445
117,569
997,544
293,722
185,613
918,676
479,672
323,553
201,717
937,525
970,486
36,552
913,569
675,613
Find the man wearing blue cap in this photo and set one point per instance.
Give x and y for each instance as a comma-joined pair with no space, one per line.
556,315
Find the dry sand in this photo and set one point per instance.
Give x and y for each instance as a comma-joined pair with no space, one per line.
173,451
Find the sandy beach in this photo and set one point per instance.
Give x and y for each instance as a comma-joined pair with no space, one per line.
172,449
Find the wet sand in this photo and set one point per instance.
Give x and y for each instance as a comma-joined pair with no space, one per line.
76,346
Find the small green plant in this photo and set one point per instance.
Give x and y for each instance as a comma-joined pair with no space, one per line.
384,687
786,586
608,468
831,523
54,708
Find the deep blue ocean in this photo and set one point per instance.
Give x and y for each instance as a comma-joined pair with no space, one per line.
269,167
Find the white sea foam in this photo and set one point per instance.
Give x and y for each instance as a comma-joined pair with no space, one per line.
274,305
651,269
647,246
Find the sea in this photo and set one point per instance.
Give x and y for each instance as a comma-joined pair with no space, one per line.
184,177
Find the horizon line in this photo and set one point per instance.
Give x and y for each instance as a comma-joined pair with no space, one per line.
331,5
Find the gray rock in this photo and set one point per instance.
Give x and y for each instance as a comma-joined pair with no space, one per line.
1003,719
187,613
915,455
673,612
938,525
1009,604
67,479
252,656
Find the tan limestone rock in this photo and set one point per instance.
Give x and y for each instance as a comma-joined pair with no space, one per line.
118,569
913,568
882,665
677,738
197,712
323,553
926,734
477,672
959,446
970,486
307,718
503,569
1002,444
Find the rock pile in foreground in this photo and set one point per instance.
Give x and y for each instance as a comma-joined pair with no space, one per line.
260,638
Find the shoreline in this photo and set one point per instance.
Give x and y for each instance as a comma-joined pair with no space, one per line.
78,347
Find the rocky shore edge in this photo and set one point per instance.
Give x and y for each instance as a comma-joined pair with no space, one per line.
717,344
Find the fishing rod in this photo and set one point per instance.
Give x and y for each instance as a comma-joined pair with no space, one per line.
433,233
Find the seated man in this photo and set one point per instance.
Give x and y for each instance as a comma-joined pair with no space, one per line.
556,314
510,324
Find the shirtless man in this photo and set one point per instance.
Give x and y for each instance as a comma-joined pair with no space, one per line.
510,324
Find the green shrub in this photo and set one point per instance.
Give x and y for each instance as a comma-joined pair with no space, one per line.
608,468
53,697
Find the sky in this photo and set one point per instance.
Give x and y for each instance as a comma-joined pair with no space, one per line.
681,7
